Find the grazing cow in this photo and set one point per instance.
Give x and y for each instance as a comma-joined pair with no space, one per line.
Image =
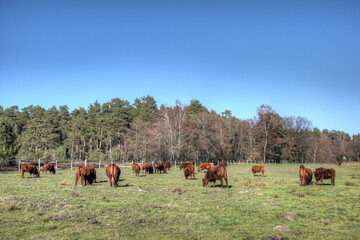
113,172
145,167
167,165
216,173
339,163
223,164
87,175
324,173
185,164
205,166
258,168
305,175
32,169
50,167
159,167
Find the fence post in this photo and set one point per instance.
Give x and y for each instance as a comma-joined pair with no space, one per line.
19,165
85,162
39,164
56,165
71,166
99,163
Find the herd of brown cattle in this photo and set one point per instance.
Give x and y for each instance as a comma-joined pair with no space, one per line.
87,174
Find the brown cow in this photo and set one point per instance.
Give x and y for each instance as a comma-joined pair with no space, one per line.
305,175
50,167
137,170
113,172
216,173
87,174
150,169
189,171
185,164
223,164
324,173
32,169
205,166
167,165
133,166
339,163
145,167
159,167
258,168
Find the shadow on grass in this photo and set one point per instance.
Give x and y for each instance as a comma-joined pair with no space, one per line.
126,185
219,185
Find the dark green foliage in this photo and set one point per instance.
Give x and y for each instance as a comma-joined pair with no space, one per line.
9,146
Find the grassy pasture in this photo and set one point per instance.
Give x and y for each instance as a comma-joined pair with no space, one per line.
167,206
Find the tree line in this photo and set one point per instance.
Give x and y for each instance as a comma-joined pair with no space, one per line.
142,131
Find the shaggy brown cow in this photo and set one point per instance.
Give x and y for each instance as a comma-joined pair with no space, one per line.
113,172
87,175
205,166
133,166
50,167
216,173
32,169
258,168
159,167
185,164
167,165
305,175
223,164
145,167
137,170
189,171
324,173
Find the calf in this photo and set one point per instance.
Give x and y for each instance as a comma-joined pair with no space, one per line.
189,171
87,175
205,166
324,173
50,167
113,172
305,175
29,168
258,168
216,173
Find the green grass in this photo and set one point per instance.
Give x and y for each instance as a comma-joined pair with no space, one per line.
167,206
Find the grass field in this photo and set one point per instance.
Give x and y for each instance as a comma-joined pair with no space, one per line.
167,206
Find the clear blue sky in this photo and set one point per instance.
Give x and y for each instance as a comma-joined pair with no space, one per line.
300,57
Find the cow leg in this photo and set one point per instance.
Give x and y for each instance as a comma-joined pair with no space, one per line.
222,182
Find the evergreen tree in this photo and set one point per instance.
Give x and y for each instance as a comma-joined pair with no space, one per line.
9,146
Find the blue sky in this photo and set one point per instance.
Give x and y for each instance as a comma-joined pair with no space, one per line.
300,57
